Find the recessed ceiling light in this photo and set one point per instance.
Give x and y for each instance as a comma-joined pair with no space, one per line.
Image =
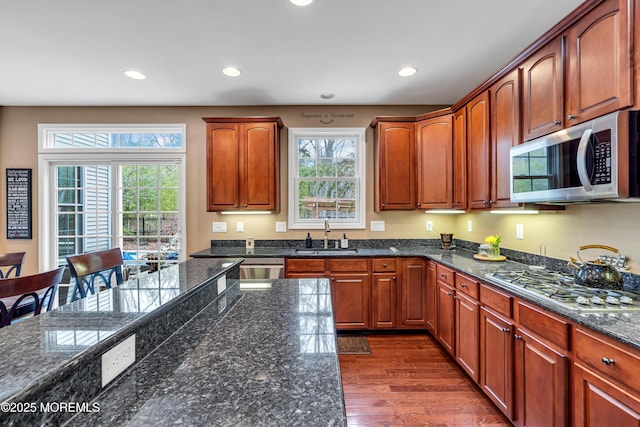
327,95
135,75
407,71
301,2
231,71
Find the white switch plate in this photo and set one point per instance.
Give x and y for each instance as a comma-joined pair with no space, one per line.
377,225
519,231
429,225
118,359
281,227
240,226
219,227
469,225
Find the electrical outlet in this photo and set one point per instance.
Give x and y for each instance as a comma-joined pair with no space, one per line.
119,358
469,225
377,225
240,227
281,227
219,227
519,231
429,225
222,284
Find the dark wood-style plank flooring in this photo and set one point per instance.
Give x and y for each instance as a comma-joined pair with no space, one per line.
409,380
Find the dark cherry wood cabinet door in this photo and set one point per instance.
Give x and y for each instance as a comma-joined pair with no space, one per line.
445,332
395,153
543,91
259,165
467,348
479,153
599,68
496,360
350,298
435,156
223,167
384,301
541,384
599,402
505,133
430,316
460,159
413,304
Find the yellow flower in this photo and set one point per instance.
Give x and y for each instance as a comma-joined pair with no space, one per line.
493,240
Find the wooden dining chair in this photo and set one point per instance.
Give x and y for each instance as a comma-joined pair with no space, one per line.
13,261
93,269
28,295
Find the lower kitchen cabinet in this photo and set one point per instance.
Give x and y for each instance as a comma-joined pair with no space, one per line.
413,298
430,286
445,330
605,382
383,298
496,359
541,383
350,299
467,315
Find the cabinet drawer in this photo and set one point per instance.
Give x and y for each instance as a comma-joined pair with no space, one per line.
307,265
350,264
498,301
467,285
549,327
445,274
612,360
382,265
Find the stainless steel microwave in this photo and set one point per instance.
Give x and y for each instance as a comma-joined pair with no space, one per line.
595,160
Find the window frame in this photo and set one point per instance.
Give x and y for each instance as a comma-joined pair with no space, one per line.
359,222
50,157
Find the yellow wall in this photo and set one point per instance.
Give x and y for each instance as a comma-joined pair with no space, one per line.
611,224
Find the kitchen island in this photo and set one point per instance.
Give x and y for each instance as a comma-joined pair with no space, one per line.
206,352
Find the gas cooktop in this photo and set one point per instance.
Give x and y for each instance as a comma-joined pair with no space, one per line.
560,289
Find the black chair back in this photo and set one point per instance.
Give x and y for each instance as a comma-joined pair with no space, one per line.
13,261
94,268
31,294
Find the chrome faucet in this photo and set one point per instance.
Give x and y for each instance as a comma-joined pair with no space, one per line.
326,230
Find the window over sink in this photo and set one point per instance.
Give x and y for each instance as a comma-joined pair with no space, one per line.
327,178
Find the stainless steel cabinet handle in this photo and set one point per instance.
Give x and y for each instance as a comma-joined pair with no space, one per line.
570,117
505,330
555,123
608,362
455,297
449,293
518,337
384,265
464,285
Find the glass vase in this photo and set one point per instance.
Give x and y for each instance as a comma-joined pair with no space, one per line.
493,251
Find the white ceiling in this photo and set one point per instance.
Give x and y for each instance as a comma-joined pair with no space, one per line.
74,52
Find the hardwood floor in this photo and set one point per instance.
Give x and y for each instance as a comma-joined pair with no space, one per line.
409,380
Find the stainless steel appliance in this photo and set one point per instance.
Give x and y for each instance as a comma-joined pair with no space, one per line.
261,269
560,289
595,160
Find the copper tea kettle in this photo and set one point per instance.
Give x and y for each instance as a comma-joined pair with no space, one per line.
596,274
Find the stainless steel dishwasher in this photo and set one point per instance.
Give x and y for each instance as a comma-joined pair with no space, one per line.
257,269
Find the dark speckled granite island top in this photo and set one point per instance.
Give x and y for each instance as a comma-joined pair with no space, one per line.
206,354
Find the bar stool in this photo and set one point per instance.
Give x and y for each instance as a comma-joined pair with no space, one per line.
28,295
95,268
14,261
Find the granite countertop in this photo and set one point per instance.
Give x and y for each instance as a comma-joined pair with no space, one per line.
624,327
271,360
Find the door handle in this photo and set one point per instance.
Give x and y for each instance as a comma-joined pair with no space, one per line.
583,175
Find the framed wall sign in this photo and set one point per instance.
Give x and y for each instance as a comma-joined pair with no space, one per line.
18,203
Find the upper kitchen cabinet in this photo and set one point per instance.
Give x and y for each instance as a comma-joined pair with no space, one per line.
243,163
395,164
435,164
542,95
478,155
593,58
460,159
598,62
505,133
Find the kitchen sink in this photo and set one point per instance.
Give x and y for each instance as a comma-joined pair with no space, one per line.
330,251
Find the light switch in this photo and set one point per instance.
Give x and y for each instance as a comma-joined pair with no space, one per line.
240,226
281,227
519,231
469,225
429,225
